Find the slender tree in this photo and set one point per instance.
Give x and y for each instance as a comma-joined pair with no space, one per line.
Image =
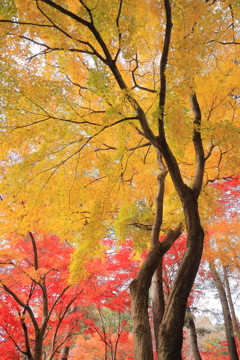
226,313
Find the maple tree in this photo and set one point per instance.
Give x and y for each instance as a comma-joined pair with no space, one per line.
107,321
36,298
38,306
100,110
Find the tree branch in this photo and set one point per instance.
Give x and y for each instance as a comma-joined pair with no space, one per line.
159,200
156,252
197,142
163,65
26,337
119,32
24,23
134,80
34,250
27,307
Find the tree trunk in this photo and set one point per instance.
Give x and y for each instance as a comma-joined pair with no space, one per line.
158,303
64,353
139,306
38,348
193,335
229,295
226,313
170,335
139,289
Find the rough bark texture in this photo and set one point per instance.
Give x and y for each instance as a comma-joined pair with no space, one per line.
193,334
226,313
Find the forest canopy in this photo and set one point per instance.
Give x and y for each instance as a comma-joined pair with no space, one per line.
121,119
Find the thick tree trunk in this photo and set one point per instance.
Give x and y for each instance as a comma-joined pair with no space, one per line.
38,348
170,334
193,334
229,295
226,313
139,306
139,289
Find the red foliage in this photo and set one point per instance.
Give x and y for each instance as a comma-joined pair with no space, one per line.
24,277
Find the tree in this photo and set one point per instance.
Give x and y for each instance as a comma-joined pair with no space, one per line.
193,334
226,313
113,89
35,277
224,248
37,316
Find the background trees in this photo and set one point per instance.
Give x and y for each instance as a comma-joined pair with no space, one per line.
102,109
40,310
38,306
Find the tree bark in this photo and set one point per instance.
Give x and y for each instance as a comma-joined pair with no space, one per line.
193,334
158,302
139,289
226,313
170,334
229,295
65,352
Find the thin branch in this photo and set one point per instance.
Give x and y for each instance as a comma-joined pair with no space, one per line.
24,23
119,32
209,153
66,308
159,200
163,65
142,226
89,25
13,340
27,307
56,167
134,79
26,337
66,12
89,11
34,250
57,299
229,43
197,142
